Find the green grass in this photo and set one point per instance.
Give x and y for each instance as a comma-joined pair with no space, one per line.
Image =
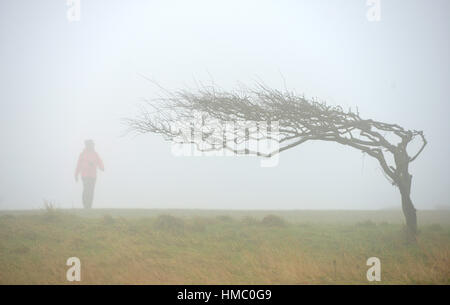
221,247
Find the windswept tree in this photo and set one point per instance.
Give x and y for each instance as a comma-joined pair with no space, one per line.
299,120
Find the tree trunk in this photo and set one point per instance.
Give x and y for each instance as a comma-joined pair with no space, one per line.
404,185
410,215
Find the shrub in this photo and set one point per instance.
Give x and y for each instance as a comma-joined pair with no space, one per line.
273,221
435,227
108,220
198,224
249,221
225,218
367,224
169,223
51,212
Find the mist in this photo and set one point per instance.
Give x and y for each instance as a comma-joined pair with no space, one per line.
64,82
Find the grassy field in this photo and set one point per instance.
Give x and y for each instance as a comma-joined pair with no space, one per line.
221,247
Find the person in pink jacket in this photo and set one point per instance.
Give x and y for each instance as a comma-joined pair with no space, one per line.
87,165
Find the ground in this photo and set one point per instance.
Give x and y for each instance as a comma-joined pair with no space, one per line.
221,247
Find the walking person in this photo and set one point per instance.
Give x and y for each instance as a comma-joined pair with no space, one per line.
87,165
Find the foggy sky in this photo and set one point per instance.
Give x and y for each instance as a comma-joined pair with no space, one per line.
63,82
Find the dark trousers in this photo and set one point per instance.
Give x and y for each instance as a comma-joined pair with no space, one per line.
88,191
